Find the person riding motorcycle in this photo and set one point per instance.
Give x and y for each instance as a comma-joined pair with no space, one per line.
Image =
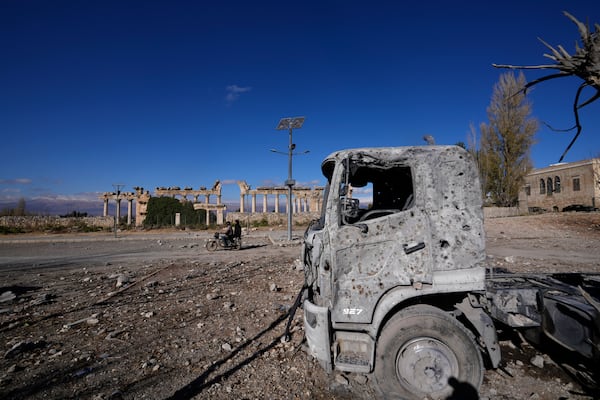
227,234
237,229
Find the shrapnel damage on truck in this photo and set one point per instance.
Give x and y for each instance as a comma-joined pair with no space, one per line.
396,280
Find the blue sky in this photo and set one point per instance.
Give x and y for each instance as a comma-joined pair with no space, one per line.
182,93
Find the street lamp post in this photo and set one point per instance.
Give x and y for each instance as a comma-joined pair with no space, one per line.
290,124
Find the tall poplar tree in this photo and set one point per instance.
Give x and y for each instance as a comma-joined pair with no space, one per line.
504,153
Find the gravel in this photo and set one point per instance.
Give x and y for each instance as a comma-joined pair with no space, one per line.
155,315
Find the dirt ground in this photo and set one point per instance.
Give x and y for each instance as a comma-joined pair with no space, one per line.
154,315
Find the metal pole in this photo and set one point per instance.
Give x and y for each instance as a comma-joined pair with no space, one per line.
290,124
290,184
117,212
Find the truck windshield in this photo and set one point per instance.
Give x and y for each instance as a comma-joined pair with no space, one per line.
375,190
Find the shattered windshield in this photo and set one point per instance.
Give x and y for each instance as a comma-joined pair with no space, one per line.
374,189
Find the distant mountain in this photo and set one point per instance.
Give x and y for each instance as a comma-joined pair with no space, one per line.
58,206
93,207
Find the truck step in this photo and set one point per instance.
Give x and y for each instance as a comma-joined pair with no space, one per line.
353,352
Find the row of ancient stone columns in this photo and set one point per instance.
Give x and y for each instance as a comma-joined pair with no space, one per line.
303,200
130,197
299,204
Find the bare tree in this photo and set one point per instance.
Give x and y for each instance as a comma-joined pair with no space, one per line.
20,209
584,63
504,152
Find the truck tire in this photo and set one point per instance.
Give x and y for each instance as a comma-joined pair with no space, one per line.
419,350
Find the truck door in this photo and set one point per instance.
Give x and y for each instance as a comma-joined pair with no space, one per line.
381,241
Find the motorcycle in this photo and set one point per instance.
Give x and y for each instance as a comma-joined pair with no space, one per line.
217,241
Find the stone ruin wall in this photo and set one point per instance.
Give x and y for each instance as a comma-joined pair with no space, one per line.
39,223
273,219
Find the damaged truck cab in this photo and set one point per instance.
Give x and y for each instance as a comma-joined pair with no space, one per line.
391,267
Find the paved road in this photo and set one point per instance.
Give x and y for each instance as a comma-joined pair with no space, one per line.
39,251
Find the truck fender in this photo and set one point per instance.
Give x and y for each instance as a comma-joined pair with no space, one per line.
484,325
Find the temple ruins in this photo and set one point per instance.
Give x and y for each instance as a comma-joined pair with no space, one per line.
304,200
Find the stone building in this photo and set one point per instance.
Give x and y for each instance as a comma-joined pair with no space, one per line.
561,185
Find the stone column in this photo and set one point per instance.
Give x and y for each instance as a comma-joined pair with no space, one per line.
314,204
105,211
265,203
207,200
242,203
253,203
129,209
277,203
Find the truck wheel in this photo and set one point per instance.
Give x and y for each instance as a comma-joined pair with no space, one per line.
211,245
420,349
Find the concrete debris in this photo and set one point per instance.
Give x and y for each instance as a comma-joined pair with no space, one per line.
44,298
212,296
7,296
113,335
93,318
341,379
226,347
538,361
121,280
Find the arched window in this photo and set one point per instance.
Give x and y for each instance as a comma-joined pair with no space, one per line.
549,186
542,186
556,184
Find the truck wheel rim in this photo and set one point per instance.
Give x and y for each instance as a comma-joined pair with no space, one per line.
425,364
